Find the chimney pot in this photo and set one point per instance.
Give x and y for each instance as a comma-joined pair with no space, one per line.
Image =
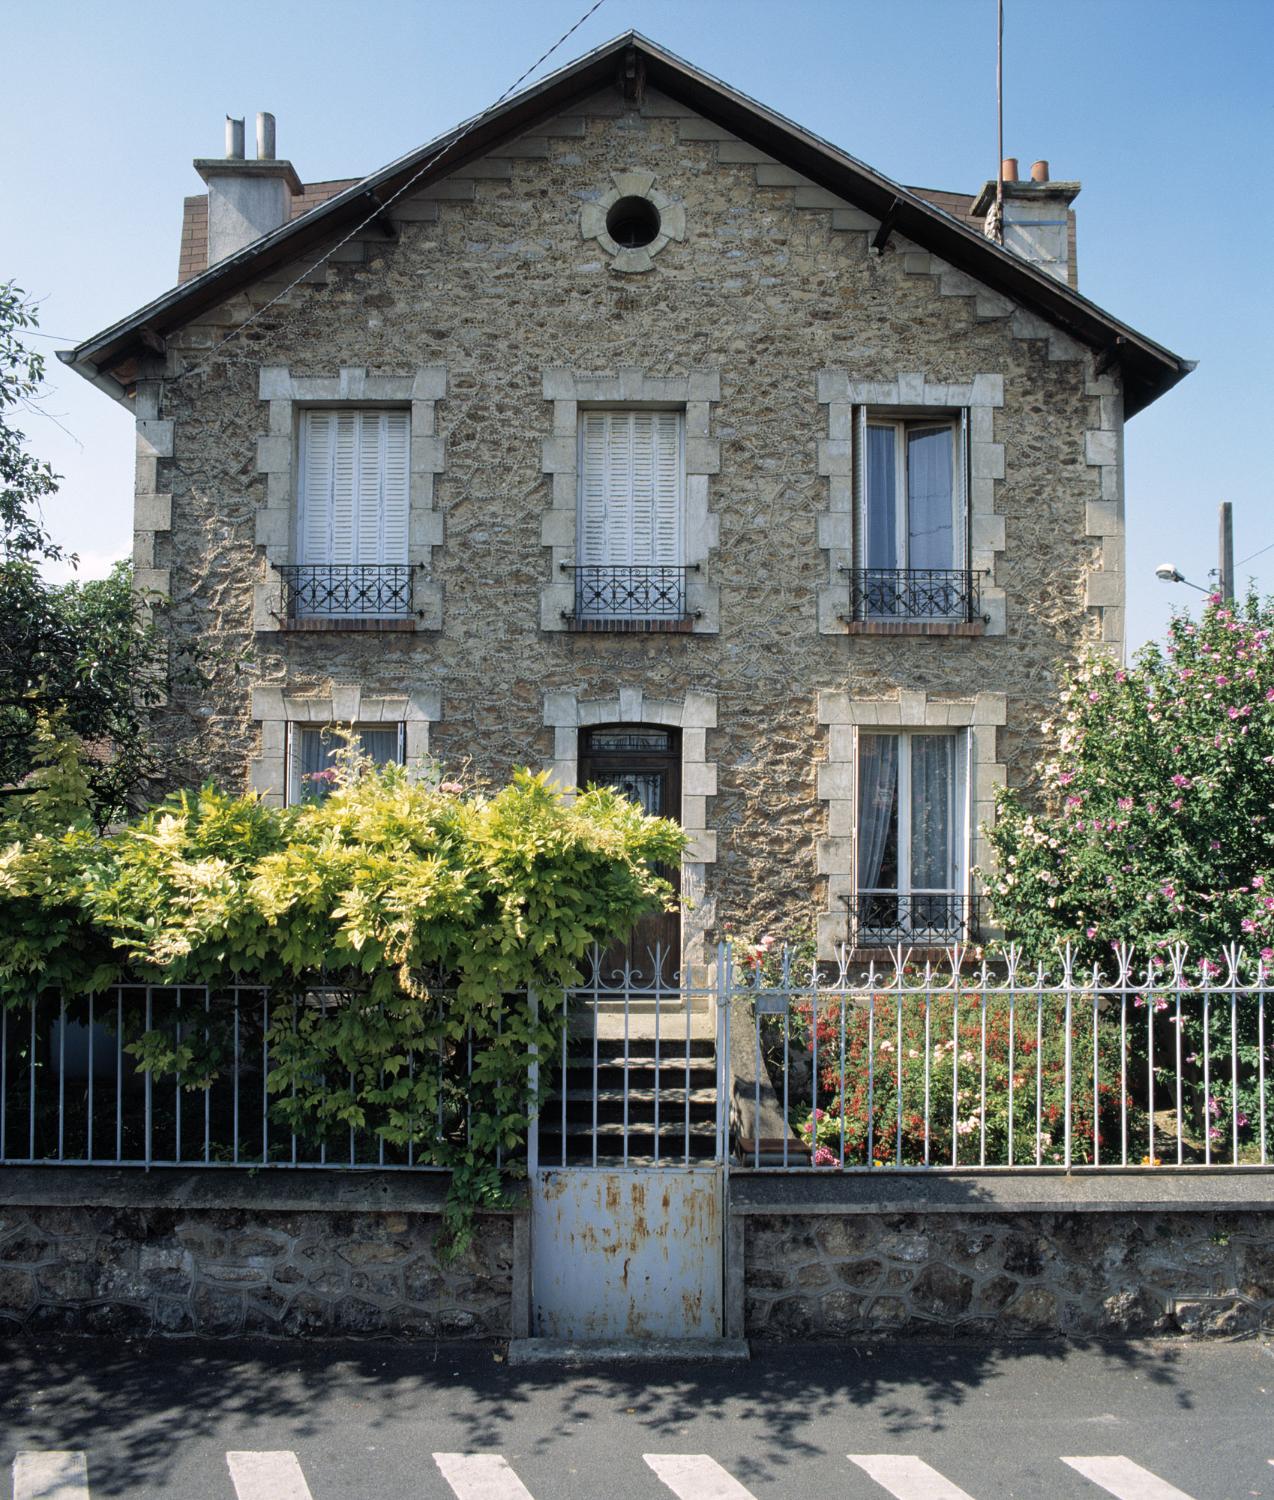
234,139
1039,171
1008,169
265,136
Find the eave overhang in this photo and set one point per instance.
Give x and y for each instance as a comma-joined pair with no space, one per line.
1147,368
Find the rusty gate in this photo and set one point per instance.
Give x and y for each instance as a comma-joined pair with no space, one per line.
628,1163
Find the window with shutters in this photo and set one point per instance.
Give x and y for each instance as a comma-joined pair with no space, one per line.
911,542
353,508
312,754
630,528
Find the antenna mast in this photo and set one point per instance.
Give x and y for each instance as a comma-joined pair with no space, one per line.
999,110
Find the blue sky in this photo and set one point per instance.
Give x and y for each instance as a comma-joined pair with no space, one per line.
1162,108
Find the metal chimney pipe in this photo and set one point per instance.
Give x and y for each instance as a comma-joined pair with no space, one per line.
265,136
1039,171
234,139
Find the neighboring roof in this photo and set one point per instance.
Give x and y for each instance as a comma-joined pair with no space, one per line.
1148,368
193,260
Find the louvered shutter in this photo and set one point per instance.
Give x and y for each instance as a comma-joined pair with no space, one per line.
369,511
314,531
395,485
345,488
591,540
667,469
642,441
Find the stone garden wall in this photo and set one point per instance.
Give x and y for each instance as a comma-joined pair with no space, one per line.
167,1253
1002,1260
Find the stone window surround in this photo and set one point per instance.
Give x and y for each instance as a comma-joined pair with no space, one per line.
694,394
287,394
979,397
843,714
672,220
274,708
565,713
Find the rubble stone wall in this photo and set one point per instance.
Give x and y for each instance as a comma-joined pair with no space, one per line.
1007,1275
108,1267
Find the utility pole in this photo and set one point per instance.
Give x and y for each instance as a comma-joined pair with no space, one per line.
1225,559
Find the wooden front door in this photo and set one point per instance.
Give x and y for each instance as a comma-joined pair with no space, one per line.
644,763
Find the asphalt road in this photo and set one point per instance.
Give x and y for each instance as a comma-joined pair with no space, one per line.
364,1422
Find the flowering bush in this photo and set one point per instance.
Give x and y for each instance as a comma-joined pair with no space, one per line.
437,913
887,1070
1158,826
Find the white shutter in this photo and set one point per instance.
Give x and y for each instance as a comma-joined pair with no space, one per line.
666,549
642,426
591,540
314,522
369,510
342,548
619,488
395,486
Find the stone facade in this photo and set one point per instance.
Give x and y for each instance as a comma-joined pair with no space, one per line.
132,1263
1003,1271
493,308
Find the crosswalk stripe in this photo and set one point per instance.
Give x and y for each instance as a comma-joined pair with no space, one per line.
267,1476
1124,1479
60,1475
481,1476
695,1476
906,1477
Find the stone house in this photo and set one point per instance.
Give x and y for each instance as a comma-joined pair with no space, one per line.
633,432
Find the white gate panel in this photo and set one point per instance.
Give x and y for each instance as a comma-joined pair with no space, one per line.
627,1254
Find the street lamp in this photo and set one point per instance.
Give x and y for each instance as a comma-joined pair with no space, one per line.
1168,572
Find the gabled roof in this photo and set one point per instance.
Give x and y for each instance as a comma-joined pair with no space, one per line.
1148,368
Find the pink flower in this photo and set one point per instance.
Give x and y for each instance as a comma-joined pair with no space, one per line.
1124,804
1180,780
824,1156
1092,932
1248,924
453,787
1169,891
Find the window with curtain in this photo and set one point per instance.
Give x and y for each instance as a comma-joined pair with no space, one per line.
911,855
354,487
313,751
629,526
912,520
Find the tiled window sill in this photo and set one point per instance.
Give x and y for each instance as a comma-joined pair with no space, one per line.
323,624
681,626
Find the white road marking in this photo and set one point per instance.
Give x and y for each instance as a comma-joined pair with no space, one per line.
695,1476
267,1476
481,1476
907,1478
50,1476
1124,1479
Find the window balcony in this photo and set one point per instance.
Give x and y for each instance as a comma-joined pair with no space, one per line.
630,598
903,600
883,919
319,596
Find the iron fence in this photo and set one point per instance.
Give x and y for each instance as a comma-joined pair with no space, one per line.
630,593
347,590
74,1090
949,594
932,1066
640,1070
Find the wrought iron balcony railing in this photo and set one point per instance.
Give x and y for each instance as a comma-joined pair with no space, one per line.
949,594
886,918
347,591
630,593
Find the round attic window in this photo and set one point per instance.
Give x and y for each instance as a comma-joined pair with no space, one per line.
633,222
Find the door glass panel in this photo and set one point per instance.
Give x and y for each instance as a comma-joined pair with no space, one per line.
932,798
930,533
881,549
645,788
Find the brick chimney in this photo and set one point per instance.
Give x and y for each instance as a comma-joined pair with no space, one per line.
1037,219
246,199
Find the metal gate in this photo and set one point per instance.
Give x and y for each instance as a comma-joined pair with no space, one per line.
628,1164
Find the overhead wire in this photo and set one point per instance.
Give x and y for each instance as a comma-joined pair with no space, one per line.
383,204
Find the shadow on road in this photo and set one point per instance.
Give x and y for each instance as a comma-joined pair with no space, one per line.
135,1404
